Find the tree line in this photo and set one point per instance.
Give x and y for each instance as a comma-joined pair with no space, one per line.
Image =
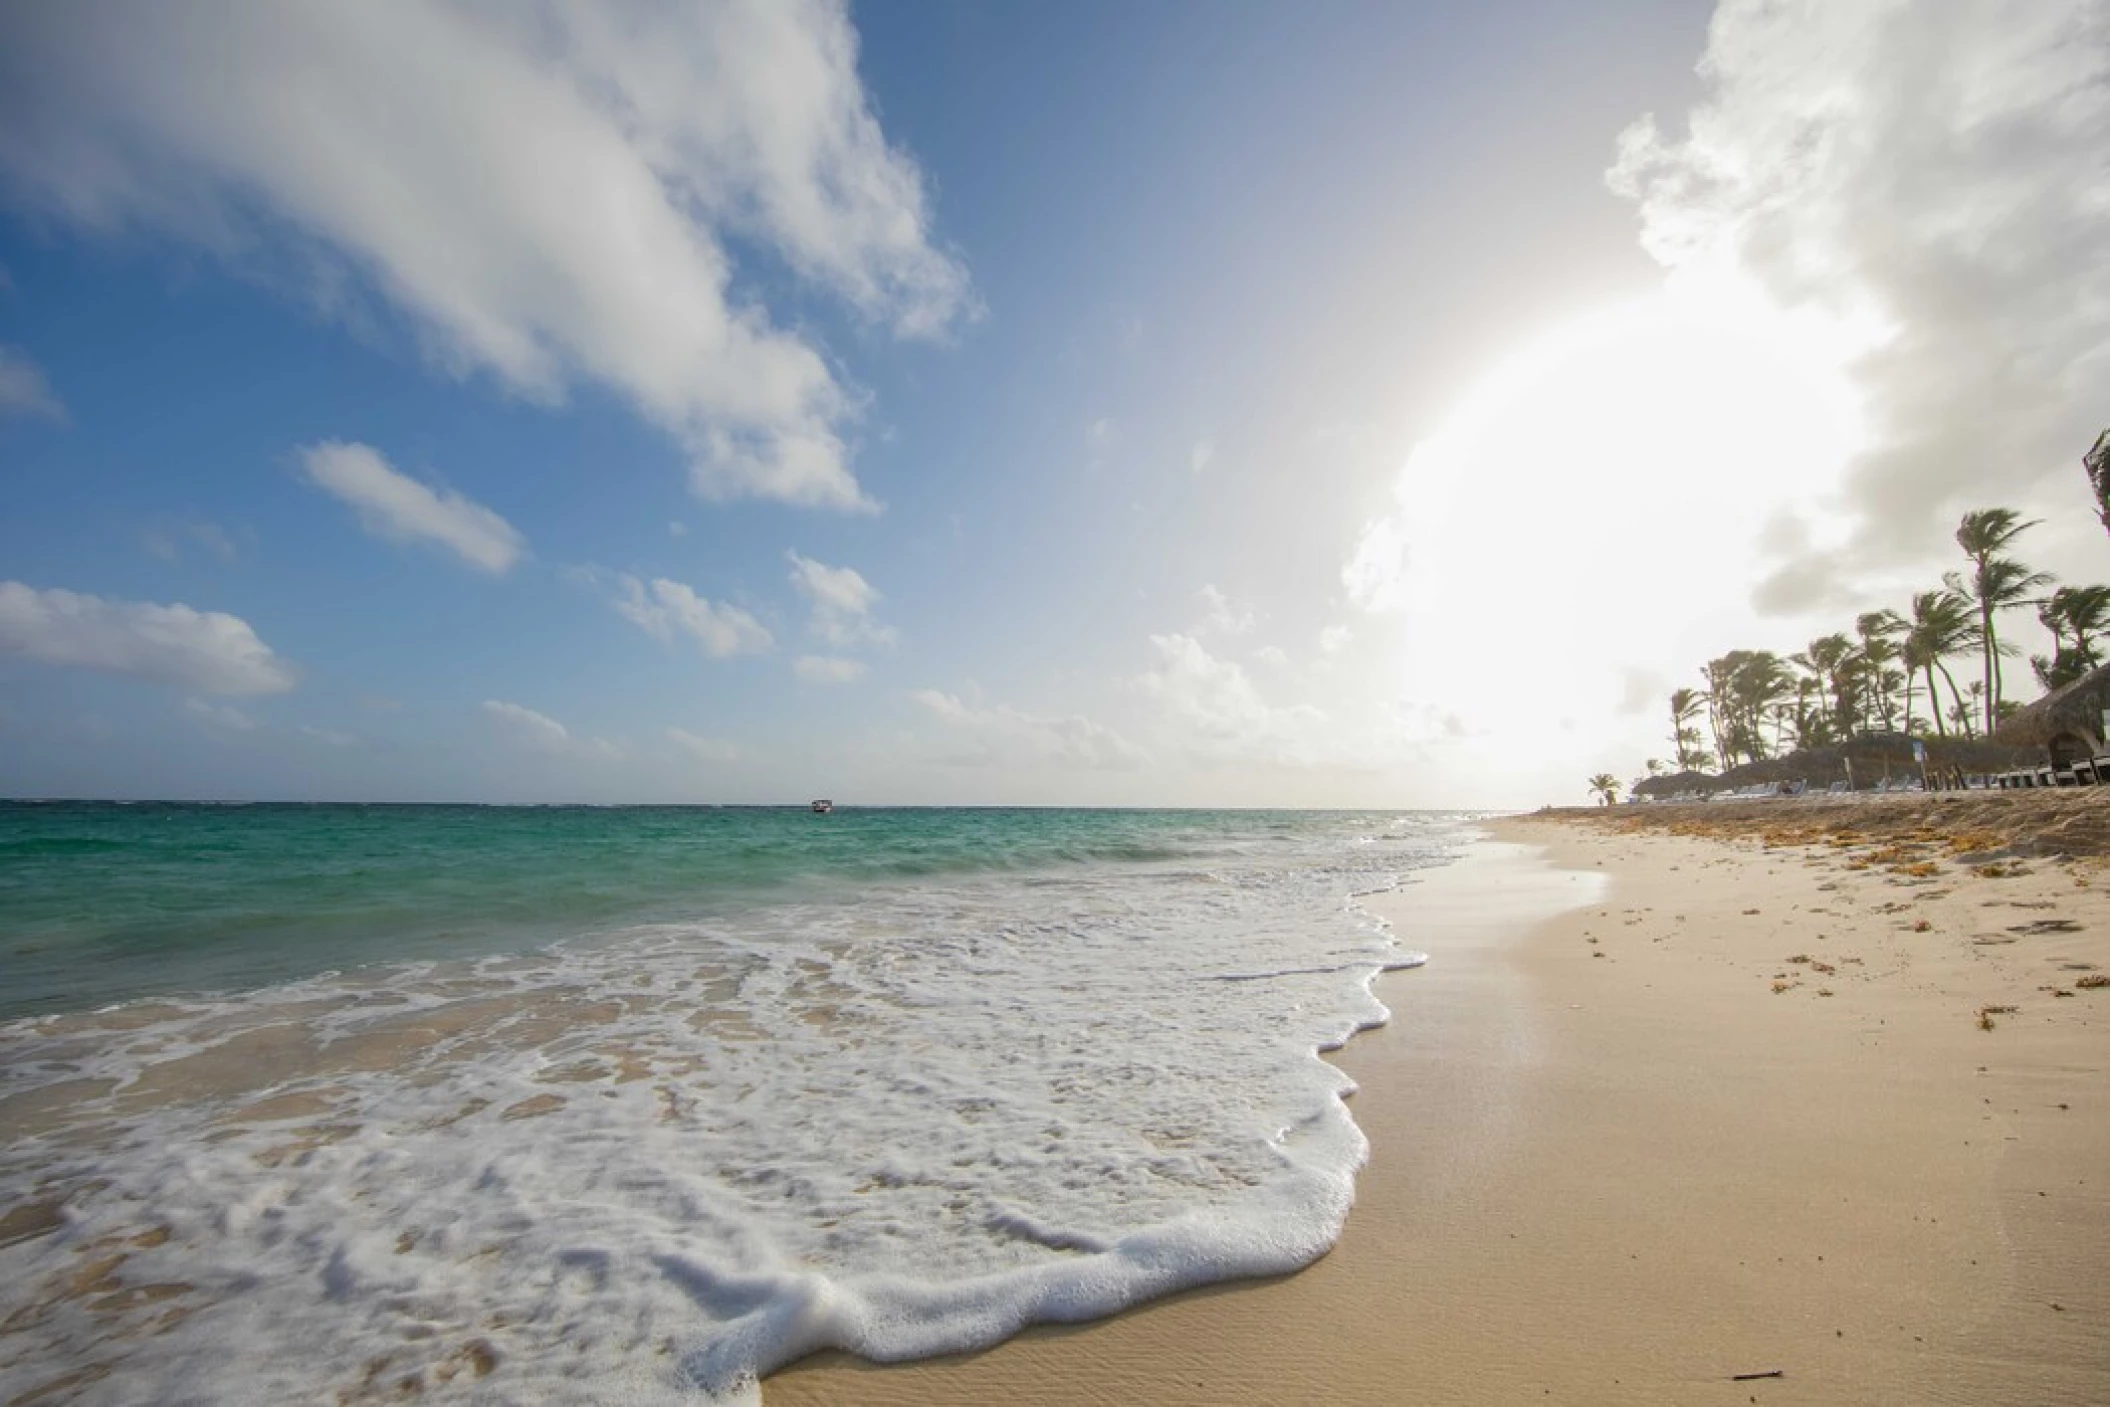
1887,673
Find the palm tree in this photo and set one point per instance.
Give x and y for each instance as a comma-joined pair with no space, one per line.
1941,625
2085,612
2000,584
1808,724
1757,681
1607,788
2097,463
1879,632
1829,663
1995,583
1717,673
1684,707
1965,715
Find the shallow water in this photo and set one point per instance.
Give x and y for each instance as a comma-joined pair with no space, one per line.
539,1100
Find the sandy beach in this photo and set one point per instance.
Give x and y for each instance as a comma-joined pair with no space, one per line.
1805,1106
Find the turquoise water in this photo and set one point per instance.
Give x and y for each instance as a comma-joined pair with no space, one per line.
636,1104
104,902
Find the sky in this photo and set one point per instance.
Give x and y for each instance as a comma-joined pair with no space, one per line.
1218,404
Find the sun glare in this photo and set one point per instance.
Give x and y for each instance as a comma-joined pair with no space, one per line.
1596,499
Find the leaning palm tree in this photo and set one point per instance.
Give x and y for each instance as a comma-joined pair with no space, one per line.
2087,612
1995,583
2083,612
1606,786
1718,674
2000,584
1941,625
1829,663
2097,463
1879,632
1684,707
1758,681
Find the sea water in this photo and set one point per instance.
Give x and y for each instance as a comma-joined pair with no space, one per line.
347,1103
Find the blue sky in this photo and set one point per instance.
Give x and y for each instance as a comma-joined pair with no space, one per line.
1183,404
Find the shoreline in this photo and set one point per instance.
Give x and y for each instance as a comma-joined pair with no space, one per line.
1611,1162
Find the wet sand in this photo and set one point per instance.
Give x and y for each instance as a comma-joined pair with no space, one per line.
1833,1109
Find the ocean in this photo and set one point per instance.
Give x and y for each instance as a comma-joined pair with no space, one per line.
639,1103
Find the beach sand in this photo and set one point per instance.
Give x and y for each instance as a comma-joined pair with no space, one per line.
1739,1109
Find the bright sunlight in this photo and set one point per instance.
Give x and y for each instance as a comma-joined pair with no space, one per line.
1646,444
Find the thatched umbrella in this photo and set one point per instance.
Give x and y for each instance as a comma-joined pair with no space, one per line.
2067,723
1675,784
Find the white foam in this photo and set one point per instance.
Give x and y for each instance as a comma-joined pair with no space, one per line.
669,1160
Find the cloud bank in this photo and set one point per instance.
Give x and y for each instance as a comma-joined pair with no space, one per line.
548,193
209,652
1003,736
1927,179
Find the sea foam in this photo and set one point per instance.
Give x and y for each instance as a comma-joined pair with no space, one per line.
661,1162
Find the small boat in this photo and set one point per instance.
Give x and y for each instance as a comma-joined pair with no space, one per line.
823,807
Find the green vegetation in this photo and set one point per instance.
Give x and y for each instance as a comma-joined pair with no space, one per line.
2097,463
1888,674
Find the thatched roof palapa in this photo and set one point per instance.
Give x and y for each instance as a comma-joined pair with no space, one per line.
1872,757
2064,720
1676,783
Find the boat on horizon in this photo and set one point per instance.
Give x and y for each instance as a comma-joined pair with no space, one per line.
823,806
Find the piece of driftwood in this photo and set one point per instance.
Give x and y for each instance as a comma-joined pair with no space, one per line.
1754,1377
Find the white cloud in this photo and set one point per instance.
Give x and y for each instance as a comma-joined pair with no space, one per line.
666,608
328,735
828,669
1335,638
209,651
677,528
1223,618
23,389
548,191
1003,736
528,728
1376,570
714,750
219,715
398,507
1927,182
167,538
1216,709
842,603
1212,711
1199,458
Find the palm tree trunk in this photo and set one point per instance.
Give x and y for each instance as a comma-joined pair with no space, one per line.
1941,729
1958,695
1992,662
